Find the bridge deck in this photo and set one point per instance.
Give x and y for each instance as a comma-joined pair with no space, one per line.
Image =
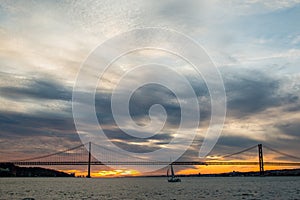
32,163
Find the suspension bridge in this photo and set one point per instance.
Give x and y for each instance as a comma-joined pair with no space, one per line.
80,155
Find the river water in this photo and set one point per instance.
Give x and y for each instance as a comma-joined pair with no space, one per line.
151,188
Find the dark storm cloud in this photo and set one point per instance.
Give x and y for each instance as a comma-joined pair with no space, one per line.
249,92
140,103
16,125
290,128
36,134
136,148
38,89
226,144
291,99
293,103
145,97
236,141
117,134
122,139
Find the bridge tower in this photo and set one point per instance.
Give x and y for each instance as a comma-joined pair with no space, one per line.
89,161
261,160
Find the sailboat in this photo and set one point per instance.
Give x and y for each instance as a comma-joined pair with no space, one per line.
172,178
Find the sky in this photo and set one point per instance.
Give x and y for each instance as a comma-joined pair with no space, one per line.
255,45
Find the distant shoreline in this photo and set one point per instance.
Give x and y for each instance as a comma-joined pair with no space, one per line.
281,172
11,170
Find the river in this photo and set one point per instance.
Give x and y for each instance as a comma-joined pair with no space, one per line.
151,188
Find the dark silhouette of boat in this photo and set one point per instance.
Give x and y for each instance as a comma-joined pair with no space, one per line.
172,178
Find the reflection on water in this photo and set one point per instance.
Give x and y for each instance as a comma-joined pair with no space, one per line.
151,188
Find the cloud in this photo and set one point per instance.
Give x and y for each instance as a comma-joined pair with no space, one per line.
254,44
31,125
260,6
236,142
290,128
29,135
249,92
37,89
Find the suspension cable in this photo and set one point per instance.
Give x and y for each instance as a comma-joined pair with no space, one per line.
239,152
48,155
117,152
279,152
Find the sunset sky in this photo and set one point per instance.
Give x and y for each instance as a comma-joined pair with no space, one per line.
255,44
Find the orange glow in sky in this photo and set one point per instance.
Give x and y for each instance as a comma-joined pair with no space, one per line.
195,170
202,169
106,173
116,173
211,169
225,169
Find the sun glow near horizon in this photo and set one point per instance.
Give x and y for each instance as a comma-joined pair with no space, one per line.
185,170
105,173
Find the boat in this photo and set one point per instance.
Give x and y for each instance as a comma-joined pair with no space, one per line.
172,177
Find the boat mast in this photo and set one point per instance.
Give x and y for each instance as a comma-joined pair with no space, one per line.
168,172
172,171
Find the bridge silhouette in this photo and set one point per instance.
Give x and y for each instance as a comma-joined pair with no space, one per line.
80,155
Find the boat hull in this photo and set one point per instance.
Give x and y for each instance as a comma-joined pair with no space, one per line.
174,180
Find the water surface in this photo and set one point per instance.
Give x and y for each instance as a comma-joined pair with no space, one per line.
151,188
